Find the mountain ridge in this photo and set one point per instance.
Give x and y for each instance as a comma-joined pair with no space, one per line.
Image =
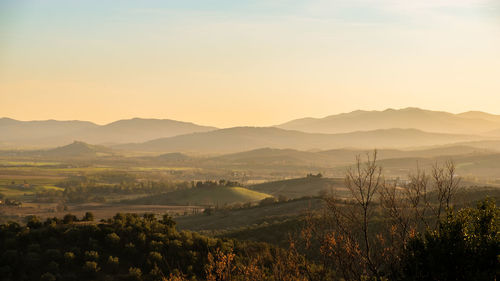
50,133
410,117
239,139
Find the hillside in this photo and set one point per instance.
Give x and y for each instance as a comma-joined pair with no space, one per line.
308,186
425,120
480,115
247,138
77,149
208,196
480,167
174,156
268,157
480,163
234,219
485,144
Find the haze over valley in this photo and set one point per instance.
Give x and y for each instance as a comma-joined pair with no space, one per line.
403,128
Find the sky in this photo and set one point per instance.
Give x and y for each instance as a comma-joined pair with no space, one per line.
254,63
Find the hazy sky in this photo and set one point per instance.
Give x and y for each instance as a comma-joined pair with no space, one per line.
238,62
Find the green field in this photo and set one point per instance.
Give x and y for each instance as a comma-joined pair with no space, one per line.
27,163
208,196
18,187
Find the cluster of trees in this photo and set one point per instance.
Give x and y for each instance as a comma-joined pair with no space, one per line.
209,183
126,247
9,202
210,210
311,175
84,189
99,187
131,247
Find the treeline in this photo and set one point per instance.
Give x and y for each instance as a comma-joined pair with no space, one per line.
99,187
209,183
81,192
126,247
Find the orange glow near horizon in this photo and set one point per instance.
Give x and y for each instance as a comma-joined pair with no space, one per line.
225,67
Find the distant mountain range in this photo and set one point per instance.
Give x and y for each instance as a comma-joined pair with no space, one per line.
248,138
16,133
409,127
50,133
335,157
472,122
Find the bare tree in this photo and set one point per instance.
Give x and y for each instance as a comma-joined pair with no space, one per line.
351,242
446,184
359,246
416,193
404,211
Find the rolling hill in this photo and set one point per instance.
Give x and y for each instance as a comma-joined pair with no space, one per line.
478,166
247,138
262,214
485,144
299,187
269,157
77,149
425,120
480,115
207,196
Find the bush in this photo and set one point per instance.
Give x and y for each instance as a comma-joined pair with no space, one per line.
114,261
69,218
91,255
69,257
91,267
135,273
268,201
113,238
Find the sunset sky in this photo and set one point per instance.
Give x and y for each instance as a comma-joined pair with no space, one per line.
260,62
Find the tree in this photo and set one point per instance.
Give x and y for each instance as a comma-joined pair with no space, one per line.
69,218
91,267
365,237
88,217
113,238
135,273
349,245
465,247
446,184
33,222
